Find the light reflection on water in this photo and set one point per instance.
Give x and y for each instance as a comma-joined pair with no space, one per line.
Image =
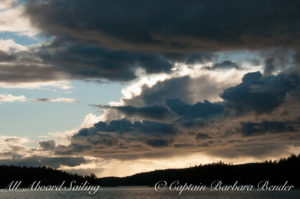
148,193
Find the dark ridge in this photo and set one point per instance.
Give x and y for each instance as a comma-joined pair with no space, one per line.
276,172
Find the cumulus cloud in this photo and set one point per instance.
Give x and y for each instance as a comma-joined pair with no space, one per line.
11,98
257,107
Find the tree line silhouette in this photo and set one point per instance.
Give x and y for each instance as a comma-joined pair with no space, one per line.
277,172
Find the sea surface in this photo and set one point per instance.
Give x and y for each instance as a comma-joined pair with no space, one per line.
148,193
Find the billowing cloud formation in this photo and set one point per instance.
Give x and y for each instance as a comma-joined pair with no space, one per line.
256,111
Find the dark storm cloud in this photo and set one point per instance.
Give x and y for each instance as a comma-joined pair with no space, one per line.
37,161
47,145
84,60
258,93
112,39
65,58
172,25
101,39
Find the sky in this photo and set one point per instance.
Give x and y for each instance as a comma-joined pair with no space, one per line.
120,87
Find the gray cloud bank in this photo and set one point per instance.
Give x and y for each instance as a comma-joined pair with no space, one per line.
111,40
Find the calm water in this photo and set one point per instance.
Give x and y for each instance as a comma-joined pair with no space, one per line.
149,193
